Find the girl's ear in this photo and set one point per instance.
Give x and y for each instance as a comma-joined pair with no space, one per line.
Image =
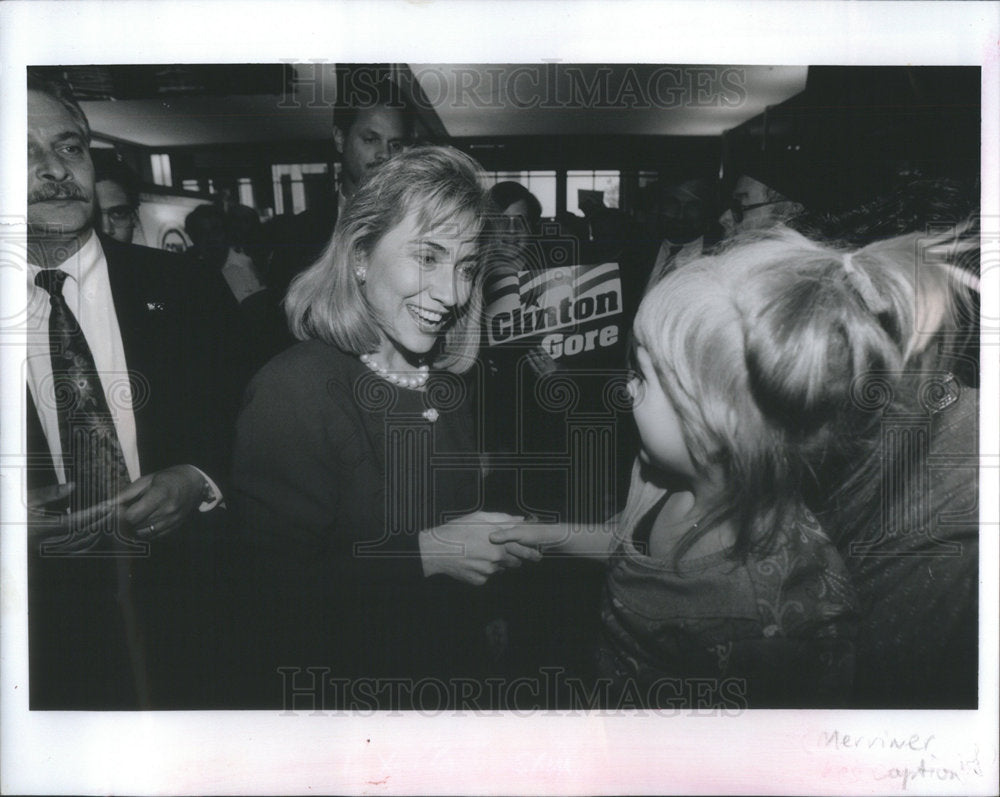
716,457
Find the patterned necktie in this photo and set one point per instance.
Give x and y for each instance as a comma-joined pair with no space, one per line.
92,453
93,460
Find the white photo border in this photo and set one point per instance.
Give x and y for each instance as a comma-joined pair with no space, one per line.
263,752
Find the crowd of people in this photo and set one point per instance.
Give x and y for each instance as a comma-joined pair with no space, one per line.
284,469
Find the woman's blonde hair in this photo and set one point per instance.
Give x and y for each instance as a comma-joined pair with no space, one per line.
769,352
442,186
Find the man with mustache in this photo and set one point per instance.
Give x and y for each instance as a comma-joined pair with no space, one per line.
120,422
371,123
367,136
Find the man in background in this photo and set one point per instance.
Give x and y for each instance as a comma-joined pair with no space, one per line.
755,203
366,135
117,194
227,249
685,215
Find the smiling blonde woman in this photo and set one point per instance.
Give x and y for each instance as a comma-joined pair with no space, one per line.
366,544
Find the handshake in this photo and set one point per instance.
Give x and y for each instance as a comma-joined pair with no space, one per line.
477,546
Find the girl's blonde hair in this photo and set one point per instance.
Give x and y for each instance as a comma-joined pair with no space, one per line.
442,186
770,352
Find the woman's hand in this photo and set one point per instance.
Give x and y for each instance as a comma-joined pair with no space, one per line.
462,548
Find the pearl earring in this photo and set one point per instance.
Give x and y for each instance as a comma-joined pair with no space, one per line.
360,274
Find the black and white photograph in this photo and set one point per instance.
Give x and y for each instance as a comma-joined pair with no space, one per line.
535,418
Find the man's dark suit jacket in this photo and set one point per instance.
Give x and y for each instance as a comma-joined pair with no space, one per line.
187,368
296,242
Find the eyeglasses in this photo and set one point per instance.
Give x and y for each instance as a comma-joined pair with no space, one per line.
513,224
739,209
119,214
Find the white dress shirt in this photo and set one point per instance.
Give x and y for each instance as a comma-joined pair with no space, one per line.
240,275
87,291
88,294
685,254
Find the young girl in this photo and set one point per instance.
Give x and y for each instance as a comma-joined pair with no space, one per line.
756,379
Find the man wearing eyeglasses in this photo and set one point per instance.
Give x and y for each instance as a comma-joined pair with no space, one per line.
117,192
754,205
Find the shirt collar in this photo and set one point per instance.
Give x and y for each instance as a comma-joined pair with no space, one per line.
79,266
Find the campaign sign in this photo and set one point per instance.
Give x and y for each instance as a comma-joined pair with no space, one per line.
566,311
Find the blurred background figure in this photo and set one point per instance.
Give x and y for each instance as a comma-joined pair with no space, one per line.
686,209
206,227
228,245
608,230
521,212
246,256
117,194
758,201
515,248
245,272
518,225
684,216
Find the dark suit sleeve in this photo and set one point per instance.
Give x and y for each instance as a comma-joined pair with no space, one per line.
222,360
306,470
287,459
187,351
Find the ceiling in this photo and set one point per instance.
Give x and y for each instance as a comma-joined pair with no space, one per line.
199,121
460,100
477,100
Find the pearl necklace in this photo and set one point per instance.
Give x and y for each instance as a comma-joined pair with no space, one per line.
415,382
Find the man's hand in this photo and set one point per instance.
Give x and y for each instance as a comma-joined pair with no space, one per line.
159,502
46,504
462,549
50,521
